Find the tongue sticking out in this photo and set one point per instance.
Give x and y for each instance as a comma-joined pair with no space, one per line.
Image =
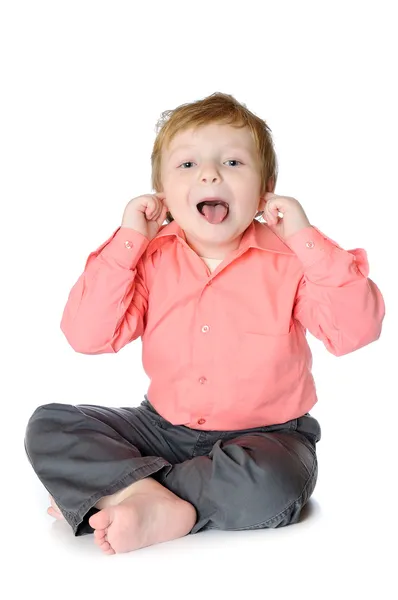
215,214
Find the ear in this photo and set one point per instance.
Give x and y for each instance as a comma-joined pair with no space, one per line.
270,187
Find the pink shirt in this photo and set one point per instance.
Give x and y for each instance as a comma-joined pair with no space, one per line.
225,349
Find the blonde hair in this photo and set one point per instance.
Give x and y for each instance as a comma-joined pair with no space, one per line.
220,108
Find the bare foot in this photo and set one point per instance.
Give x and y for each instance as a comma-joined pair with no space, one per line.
54,511
151,515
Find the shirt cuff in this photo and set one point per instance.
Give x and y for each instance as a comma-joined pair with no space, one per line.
310,245
125,246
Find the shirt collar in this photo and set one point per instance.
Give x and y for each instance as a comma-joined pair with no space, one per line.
257,235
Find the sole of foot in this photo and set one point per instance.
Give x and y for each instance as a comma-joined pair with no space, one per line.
150,515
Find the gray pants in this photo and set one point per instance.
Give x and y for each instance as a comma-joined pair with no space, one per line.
243,479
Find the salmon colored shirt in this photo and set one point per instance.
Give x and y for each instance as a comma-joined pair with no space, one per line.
225,347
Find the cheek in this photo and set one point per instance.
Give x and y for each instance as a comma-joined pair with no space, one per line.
179,185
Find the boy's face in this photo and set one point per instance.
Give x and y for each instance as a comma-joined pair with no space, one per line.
215,160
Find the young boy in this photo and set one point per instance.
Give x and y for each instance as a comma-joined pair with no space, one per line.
222,302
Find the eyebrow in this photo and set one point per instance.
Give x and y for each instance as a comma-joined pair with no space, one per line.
227,146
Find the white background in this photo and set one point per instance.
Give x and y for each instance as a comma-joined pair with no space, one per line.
82,86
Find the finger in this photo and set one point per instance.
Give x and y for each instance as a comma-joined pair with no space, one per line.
269,217
163,208
149,210
163,213
158,211
160,208
160,197
161,217
159,200
155,215
152,206
273,212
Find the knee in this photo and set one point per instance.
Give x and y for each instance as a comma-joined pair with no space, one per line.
272,487
283,491
277,461
44,420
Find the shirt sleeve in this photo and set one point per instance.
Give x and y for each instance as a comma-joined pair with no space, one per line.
106,307
336,300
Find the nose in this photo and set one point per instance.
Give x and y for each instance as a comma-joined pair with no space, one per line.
209,173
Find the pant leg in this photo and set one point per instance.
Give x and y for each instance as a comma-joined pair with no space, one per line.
263,481
247,479
82,453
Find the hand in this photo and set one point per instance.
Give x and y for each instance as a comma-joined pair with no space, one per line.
145,214
294,217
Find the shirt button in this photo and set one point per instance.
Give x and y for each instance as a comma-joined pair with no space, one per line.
128,244
201,421
202,380
310,244
205,328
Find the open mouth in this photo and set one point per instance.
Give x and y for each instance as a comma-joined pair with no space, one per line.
214,211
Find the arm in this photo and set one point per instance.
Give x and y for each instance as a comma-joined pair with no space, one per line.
335,300
106,307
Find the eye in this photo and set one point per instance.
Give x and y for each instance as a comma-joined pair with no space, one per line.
188,162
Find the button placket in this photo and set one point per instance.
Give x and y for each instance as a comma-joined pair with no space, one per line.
202,380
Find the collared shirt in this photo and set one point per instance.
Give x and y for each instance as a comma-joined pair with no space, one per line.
225,349
212,263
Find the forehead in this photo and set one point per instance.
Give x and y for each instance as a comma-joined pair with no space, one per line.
225,136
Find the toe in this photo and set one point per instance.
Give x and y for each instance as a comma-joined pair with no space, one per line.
101,519
107,548
100,535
